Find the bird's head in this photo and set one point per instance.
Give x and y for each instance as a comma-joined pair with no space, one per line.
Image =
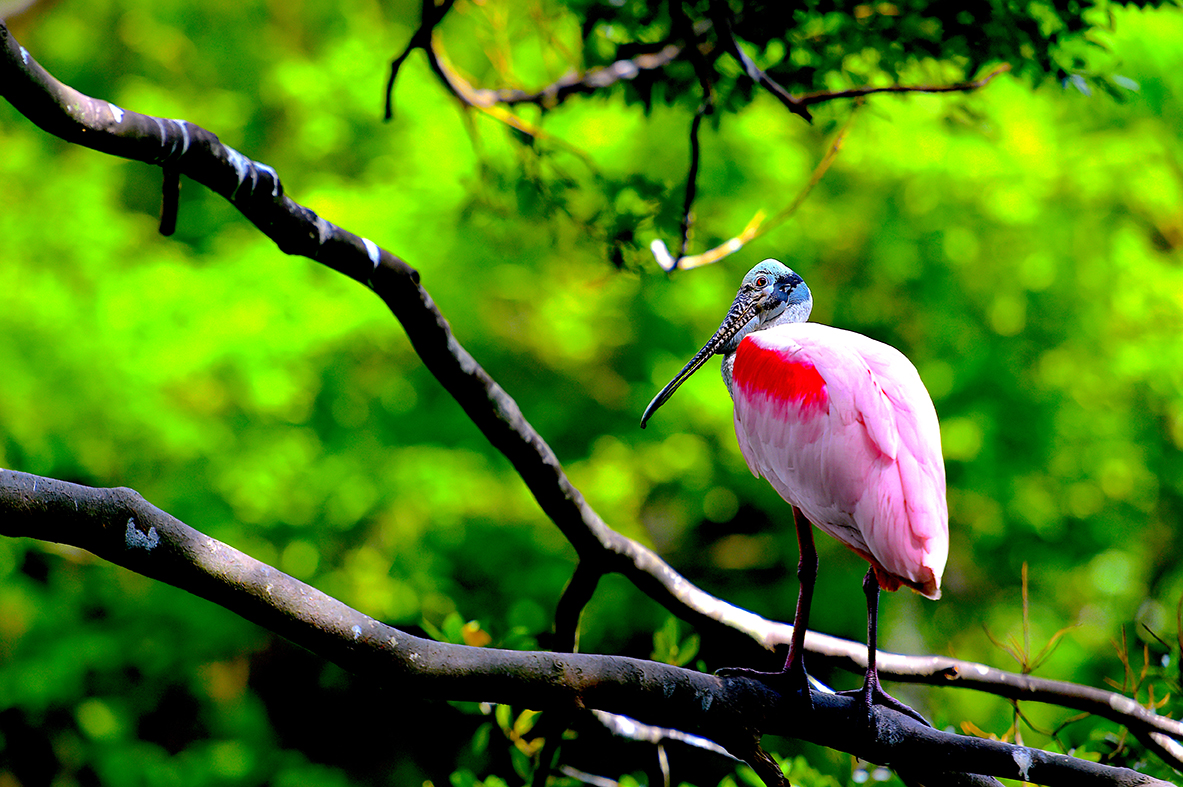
771,293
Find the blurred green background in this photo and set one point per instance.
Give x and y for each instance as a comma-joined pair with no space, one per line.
1021,244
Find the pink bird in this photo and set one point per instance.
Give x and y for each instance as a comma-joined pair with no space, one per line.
845,431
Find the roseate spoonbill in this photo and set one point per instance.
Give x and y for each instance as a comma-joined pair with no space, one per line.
845,431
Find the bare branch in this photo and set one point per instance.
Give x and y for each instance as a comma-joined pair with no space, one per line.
121,527
493,101
858,92
586,82
702,70
170,201
635,730
695,48
722,22
691,182
430,16
940,670
757,226
552,95
575,597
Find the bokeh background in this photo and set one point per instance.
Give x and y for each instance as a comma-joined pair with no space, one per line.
1021,244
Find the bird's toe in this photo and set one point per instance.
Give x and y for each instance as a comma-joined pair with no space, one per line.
787,682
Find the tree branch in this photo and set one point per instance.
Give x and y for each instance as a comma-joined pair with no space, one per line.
858,92
595,79
430,16
702,70
118,525
575,597
757,226
170,202
573,83
255,189
720,16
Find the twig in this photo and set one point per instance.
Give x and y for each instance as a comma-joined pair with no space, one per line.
636,731
560,90
858,92
575,597
691,182
764,766
170,200
720,16
702,70
576,82
430,16
584,777
586,82
757,226
495,102
696,49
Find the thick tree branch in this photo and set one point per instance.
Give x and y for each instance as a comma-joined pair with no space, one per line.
256,191
252,187
121,527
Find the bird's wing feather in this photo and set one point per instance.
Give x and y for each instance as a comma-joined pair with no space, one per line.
842,427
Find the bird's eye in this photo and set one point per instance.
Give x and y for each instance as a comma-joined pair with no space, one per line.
761,281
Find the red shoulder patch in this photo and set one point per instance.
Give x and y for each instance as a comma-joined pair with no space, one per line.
779,377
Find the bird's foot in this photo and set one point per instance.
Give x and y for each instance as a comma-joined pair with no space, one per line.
871,693
789,681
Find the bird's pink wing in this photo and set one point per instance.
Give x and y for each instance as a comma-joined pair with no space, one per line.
843,428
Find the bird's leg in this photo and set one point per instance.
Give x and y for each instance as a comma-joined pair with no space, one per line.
872,692
806,579
792,676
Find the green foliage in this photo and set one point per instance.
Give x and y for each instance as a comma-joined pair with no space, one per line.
799,773
808,46
1020,244
669,648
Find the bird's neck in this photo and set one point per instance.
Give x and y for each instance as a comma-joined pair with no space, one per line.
728,366
794,313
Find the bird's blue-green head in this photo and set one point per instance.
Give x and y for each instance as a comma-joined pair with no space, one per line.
771,294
